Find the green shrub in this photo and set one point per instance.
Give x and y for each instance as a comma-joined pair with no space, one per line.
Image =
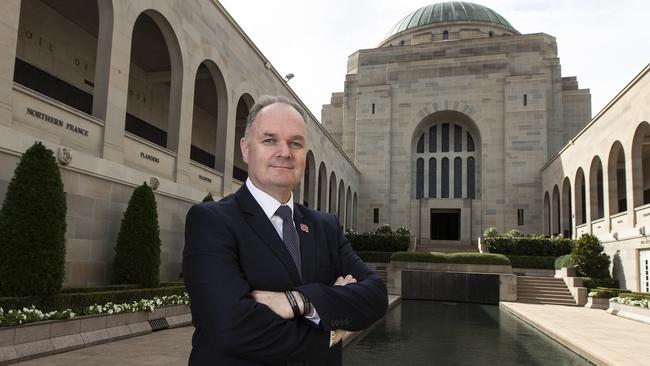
524,261
530,246
377,243
591,283
490,233
564,261
32,227
137,253
384,230
99,288
456,258
589,257
375,257
635,295
402,231
208,197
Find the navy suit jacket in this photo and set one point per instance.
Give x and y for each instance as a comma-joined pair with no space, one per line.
232,249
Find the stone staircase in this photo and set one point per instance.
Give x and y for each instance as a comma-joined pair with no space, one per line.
543,290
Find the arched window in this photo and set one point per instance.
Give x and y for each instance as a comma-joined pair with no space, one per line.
444,179
445,35
420,149
470,143
458,138
433,136
445,137
419,190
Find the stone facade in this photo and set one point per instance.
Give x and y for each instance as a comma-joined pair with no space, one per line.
503,89
139,90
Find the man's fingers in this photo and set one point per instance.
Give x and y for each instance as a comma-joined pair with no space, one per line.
342,281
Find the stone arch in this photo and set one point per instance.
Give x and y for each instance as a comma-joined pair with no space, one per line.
322,188
556,229
155,81
355,211
617,193
331,208
348,208
547,214
596,203
580,197
209,116
567,225
43,27
244,104
340,208
309,185
641,164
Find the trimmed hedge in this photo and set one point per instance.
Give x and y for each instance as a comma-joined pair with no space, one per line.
32,227
589,257
137,252
564,261
77,301
529,246
456,258
376,257
608,293
525,261
378,242
635,295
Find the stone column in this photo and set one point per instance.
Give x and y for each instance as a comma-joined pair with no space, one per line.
228,157
8,42
633,181
181,111
112,77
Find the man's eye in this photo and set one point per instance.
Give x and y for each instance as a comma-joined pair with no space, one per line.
296,145
268,141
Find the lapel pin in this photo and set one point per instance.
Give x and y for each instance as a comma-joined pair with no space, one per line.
304,228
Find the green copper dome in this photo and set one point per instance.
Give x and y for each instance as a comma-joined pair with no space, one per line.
450,11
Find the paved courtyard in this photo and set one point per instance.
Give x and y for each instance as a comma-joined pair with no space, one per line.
596,335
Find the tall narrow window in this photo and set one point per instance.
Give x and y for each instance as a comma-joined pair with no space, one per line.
470,143
458,178
470,178
375,216
419,188
491,34
445,35
520,217
433,139
525,99
444,178
445,137
373,108
432,177
458,138
420,149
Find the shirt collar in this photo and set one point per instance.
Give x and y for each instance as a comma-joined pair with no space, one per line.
266,201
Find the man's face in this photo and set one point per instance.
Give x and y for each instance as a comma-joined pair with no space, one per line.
276,149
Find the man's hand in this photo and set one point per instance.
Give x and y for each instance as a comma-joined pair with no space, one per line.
277,301
338,336
342,281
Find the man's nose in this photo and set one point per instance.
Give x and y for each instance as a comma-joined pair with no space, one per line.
283,150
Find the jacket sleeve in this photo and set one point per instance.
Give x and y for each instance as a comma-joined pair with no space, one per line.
352,307
223,307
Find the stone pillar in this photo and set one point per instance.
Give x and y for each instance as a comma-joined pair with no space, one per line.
228,157
606,196
633,181
112,78
181,110
8,42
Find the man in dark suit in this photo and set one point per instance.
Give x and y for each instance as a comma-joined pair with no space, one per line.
272,282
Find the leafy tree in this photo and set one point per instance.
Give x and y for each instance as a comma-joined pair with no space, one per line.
137,252
208,197
589,258
32,227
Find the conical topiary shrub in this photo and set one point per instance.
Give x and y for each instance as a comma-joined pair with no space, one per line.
137,252
208,197
32,227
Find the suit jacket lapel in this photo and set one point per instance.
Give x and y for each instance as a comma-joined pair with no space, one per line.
307,244
260,223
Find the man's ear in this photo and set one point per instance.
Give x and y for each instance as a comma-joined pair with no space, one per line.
243,145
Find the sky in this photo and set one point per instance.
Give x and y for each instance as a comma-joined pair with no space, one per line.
604,43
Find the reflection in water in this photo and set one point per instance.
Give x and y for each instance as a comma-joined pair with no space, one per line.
436,333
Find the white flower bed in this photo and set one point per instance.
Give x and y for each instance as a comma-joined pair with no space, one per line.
31,314
644,303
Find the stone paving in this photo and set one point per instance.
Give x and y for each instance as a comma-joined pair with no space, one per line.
602,338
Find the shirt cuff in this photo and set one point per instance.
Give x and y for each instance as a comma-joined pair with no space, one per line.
314,317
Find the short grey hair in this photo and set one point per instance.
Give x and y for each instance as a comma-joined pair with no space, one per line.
267,100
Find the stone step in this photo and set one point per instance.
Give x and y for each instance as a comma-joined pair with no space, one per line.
554,302
545,296
539,279
535,291
543,290
542,287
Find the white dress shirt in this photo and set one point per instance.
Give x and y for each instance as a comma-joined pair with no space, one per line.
269,206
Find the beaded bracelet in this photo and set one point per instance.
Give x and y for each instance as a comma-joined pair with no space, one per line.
307,303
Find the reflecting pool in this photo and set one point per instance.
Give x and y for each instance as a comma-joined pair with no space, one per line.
426,333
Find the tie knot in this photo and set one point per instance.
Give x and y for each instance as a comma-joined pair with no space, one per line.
284,212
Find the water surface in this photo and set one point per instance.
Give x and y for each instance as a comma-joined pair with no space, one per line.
426,333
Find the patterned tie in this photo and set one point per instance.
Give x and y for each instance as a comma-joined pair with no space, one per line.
290,236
